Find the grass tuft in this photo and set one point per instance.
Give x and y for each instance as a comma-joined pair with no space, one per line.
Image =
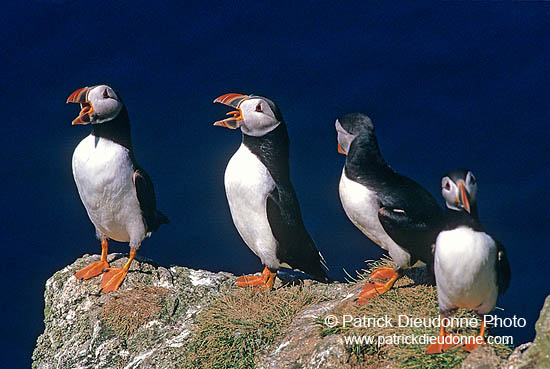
128,310
237,327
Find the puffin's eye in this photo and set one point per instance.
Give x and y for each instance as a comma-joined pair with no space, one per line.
105,94
472,179
259,107
447,186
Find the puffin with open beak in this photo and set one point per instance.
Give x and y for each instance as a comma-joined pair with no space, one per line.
118,195
262,200
471,267
392,210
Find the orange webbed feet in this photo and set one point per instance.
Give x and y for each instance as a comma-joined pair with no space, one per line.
95,269
370,290
383,273
112,279
478,341
375,288
264,281
472,346
92,270
442,344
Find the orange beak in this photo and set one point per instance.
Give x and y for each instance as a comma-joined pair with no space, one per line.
80,96
463,196
340,150
233,100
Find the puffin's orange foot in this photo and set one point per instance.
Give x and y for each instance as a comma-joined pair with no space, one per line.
256,281
375,288
472,346
112,279
265,280
92,270
434,348
383,273
442,344
371,290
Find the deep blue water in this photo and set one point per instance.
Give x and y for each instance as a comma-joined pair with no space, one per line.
447,85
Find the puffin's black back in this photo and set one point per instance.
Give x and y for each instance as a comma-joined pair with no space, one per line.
416,228
295,245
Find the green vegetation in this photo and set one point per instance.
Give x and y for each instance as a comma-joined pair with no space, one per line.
237,327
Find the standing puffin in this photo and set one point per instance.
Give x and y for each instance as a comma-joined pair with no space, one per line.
392,210
471,268
262,201
118,195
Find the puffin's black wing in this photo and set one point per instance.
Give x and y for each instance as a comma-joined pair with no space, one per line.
295,247
503,269
411,217
146,196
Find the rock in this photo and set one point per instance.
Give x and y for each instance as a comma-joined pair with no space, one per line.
151,322
483,357
515,358
535,354
142,325
303,347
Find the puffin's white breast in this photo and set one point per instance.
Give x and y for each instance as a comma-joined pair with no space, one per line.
361,206
247,185
103,172
465,270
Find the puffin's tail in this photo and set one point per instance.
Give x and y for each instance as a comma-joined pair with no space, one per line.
319,273
321,276
159,219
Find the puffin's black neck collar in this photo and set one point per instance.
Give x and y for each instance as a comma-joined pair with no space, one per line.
273,150
456,218
116,130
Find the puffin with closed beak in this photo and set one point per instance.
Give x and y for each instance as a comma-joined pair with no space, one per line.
118,195
262,200
392,210
471,267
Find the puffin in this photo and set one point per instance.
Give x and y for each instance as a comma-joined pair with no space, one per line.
392,210
117,193
471,267
262,201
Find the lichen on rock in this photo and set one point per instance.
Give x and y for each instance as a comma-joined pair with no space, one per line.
535,354
143,324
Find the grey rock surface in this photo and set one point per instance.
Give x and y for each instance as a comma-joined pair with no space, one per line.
534,355
88,329
303,347
483,357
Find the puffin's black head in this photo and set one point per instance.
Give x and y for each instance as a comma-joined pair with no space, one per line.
255,115
350,126
98,104
459,189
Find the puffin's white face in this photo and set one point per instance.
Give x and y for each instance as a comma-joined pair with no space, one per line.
258,118
99,104
344,138
254,115
459,193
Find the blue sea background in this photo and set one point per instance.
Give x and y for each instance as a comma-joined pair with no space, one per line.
447,84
